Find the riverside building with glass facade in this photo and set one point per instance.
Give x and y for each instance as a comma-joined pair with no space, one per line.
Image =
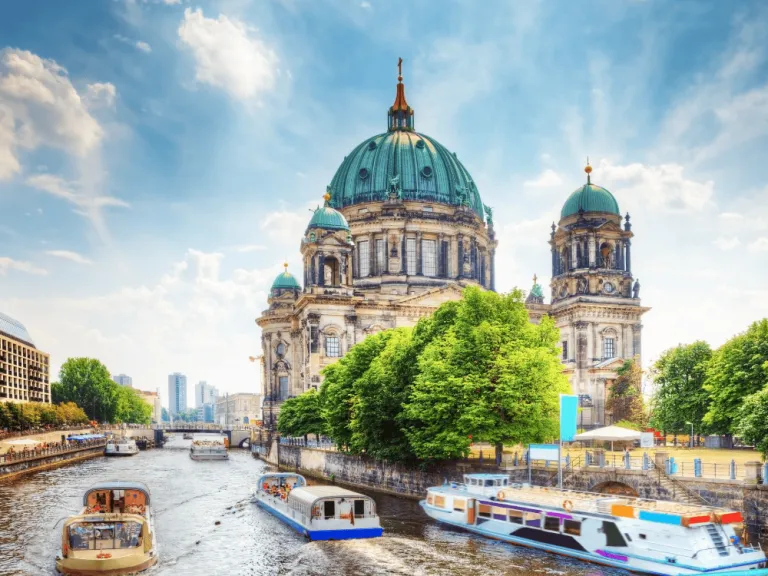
24,370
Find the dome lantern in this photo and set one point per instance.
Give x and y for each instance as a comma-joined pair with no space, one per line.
590,198
284,281
400,115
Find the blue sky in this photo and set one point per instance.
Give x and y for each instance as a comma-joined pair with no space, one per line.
158,158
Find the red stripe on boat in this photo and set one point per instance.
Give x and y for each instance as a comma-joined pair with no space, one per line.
731,517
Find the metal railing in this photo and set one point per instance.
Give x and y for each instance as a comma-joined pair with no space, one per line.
34,454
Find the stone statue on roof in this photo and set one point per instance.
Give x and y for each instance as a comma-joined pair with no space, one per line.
395,192
488,214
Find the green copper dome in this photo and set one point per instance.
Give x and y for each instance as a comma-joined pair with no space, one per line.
402,164
285,281
327,218
590,198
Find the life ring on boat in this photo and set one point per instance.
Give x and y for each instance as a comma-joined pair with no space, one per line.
501,495
567,505
104,555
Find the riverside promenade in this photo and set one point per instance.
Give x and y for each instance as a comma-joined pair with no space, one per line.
46,456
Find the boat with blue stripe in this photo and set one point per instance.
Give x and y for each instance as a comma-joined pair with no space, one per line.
643,536
318,512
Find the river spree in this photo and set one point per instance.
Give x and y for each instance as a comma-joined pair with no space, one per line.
190,497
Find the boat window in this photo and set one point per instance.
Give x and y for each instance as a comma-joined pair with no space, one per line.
629,538
489,482
430,498
499,513
552,524
533,519
440,501
459,505
484,511
329,509
516,516
505,481
572,527
642,536
104,535
612,535
359,508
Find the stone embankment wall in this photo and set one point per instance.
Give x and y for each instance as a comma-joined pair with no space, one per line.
11,470
413,482
54,436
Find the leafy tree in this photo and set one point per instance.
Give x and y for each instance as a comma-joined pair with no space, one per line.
625,399
737,369
131,407
337,390
491,376
753,421
70,413
301,416
680,397
87,382
57,393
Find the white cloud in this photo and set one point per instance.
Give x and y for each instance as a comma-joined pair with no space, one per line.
7,264
759,245
171,2
547,179
39,106
100,94
69,255
366,5
228,55
662,186
726,243
731,216
143,46
85,204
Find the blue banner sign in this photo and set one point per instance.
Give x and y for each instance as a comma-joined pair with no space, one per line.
543,451
569,407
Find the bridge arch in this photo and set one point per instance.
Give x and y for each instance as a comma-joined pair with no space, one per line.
245,443
615,488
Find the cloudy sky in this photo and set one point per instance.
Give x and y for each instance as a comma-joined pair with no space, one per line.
158,157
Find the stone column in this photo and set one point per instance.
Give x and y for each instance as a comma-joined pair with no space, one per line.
418,254
386,254
628,243
493,270
403,257
574,260
751,472
460,259
439,253
592,252
371,255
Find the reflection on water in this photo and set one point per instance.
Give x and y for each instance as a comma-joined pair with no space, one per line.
190,497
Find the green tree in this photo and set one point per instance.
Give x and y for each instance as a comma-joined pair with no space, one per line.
737,369
492,376
625,398
131,407
337,390
86,382
680,397
301,415
753,421
70,413
57,393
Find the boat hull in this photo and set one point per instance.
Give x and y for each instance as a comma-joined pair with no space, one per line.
105,566
323,535
656,569
121,453
209,457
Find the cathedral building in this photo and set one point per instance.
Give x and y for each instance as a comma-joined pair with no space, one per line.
402,229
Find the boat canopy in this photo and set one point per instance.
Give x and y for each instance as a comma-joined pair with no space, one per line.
609,433
311,494
281,475
85,436
117,485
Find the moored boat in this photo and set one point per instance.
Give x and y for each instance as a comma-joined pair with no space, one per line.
112,535
318,512
644,536
122,446
209,449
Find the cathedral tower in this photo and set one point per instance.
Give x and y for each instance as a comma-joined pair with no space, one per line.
595,301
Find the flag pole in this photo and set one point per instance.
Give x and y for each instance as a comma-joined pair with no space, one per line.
560,449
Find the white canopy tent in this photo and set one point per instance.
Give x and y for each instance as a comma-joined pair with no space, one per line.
23,442
610,434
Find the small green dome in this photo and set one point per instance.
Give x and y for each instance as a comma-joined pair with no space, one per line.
327,218
590,198
286,281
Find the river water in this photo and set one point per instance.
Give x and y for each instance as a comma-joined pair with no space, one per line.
190,497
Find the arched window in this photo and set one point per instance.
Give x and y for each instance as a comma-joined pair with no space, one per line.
606,255
280,349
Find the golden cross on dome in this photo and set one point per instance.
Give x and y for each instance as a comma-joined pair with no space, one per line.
400,68
535,278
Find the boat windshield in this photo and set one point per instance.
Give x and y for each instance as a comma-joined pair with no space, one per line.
104,535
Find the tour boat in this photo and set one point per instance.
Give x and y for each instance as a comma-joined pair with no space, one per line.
187,436
113,534
209,450
644,536
122,446
318,512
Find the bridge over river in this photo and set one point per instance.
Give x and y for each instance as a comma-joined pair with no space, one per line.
239,436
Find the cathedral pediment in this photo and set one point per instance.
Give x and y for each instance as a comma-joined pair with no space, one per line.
432,298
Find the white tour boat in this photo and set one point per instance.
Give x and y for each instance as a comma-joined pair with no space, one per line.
318,512
112,535
209,449
645,536
122,446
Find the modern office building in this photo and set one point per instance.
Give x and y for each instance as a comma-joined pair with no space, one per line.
24,370
177,393
123,380
205,394
206,413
